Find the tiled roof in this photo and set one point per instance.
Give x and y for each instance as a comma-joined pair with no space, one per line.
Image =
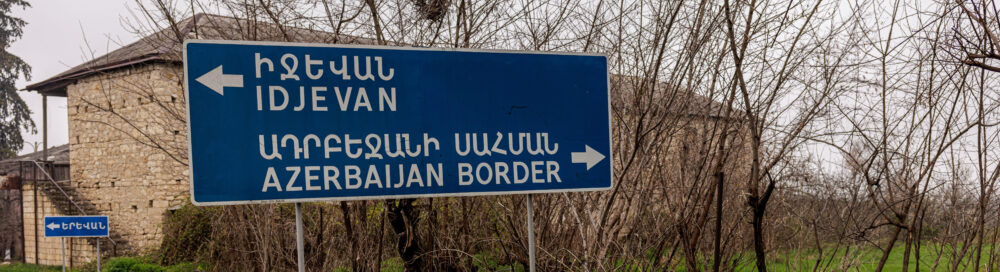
56,154
164,46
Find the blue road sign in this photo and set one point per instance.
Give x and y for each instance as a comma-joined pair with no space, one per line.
76,226
291,122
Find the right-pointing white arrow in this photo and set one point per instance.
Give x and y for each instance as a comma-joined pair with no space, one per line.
588,156
216,80
52,226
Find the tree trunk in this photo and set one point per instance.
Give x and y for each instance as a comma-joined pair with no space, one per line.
403,217
907,243
888,249
717,256
352,239
690,249
758,237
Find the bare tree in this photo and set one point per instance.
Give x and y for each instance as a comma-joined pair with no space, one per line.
843,126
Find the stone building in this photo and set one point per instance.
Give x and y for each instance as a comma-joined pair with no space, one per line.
32,183
21,173
127,136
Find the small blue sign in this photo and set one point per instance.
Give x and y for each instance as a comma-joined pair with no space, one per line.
76,226
291,122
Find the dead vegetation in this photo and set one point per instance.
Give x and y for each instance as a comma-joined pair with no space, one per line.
747,133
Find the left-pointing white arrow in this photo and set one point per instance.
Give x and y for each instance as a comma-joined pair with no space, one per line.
216,80
590,156
52,226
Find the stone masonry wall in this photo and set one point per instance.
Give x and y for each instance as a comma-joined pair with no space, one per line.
49,249
127,141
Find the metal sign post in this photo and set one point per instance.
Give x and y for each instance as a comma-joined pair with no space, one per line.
531,236
62,245
299,237
98,254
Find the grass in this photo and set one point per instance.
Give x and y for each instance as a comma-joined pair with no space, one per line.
21,267
864,259
483,262
130,264
867,260
146,264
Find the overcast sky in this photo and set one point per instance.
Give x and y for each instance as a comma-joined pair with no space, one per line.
56,39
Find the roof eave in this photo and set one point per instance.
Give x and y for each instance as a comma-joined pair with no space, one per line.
56,86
